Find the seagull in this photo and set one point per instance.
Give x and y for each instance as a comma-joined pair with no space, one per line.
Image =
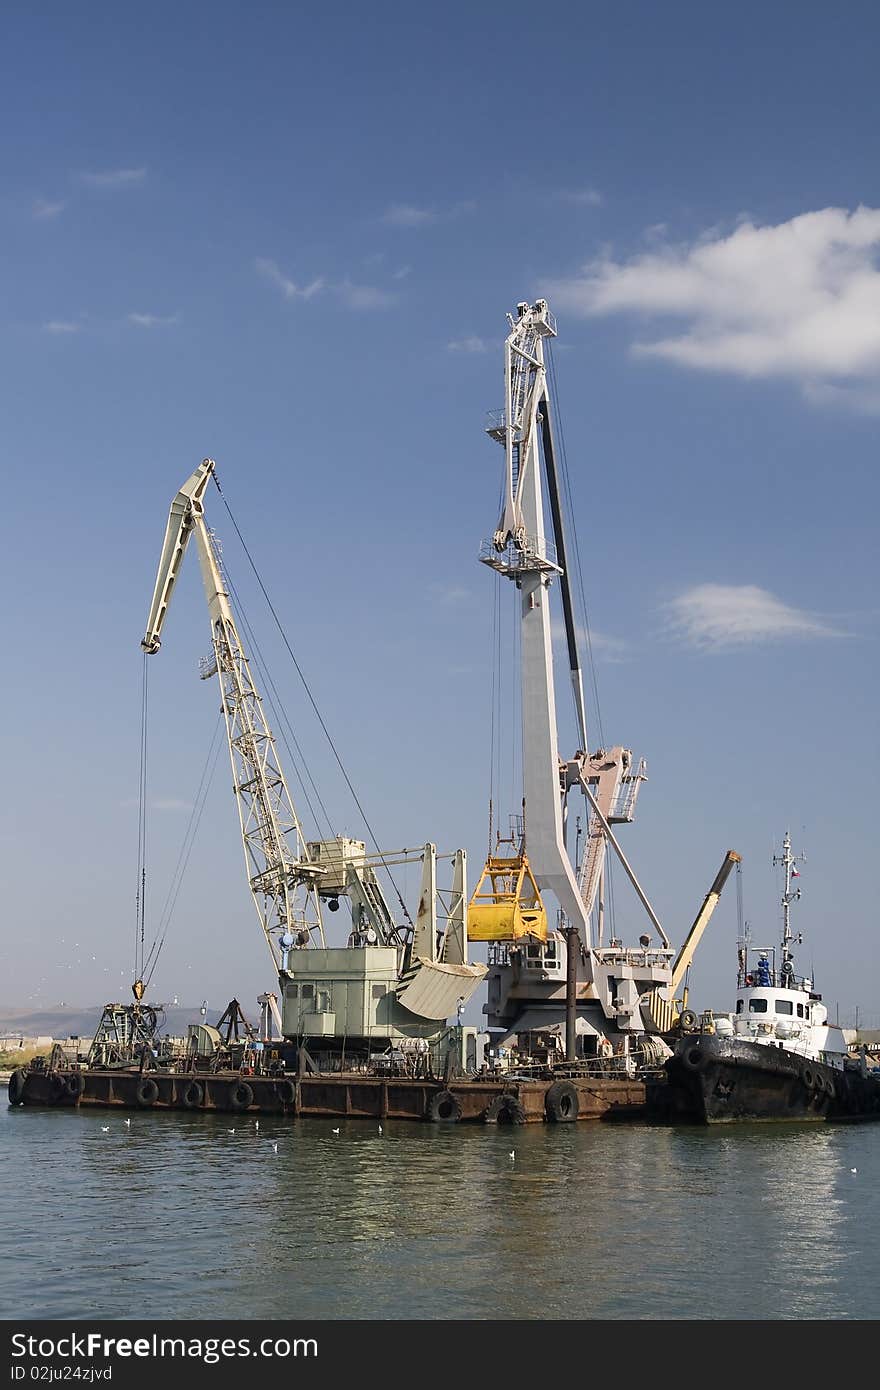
256,1124
230,1131
105,1129
127,1124
380,1129
335,1131
853,1170
512,1154
275,1147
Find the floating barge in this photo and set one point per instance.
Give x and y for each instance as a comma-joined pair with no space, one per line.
481,1100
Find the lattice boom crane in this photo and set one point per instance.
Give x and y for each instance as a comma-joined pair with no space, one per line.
283,877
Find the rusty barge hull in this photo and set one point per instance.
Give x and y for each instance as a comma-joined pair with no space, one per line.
338,1095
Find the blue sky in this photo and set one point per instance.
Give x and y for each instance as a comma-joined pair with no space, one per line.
288,239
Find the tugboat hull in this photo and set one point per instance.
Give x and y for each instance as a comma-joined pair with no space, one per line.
716,1080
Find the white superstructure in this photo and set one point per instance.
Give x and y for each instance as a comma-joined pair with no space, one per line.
775,1005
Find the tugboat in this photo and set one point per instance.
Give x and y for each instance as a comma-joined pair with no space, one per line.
777,1057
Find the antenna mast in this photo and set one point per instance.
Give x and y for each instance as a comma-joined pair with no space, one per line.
789,863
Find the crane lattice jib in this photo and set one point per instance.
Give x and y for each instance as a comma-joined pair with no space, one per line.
281,874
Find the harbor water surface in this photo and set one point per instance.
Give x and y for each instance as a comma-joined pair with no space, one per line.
178,1217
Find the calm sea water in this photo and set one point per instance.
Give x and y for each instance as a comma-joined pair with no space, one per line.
178,1218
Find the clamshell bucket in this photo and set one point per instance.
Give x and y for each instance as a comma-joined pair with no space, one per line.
509,909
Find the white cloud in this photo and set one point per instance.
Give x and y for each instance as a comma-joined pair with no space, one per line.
471,344
151,320
351,295
799,300
862,398
362,296
61,326
581,197
732,615
43,209
114,178
605,648
407,215
270,270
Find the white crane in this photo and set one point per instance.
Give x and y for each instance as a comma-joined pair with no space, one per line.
282,875
388,982
615,976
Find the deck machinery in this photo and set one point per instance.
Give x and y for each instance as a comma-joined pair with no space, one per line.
615,993
388,985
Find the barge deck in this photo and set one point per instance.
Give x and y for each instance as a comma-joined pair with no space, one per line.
486,1100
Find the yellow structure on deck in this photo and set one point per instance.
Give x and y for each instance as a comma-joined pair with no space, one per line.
511,908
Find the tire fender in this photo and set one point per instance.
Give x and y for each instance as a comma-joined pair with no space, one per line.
443,1108
193,1095
285,1091
561,1103
693,1058
16,1086
241,1096
147,1092
504,1110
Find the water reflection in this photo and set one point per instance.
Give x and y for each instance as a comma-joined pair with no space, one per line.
588,1221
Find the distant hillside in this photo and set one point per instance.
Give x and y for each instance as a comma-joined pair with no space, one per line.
65,1022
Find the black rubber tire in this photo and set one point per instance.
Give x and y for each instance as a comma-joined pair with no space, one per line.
193,1095
693,1058
147,1092
828,1085
561,1103
241,1096
808,1076
443,1108
75,1084
285,1091
56,1088
687,1020
16,1086
504,1110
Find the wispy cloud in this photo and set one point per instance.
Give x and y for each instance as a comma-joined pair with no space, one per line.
605,648
408,215
61,326
800,299
717,616
290,290
113,178
362,296
581,197
862,398
43,209
152,320
470,344
351,295
412,215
